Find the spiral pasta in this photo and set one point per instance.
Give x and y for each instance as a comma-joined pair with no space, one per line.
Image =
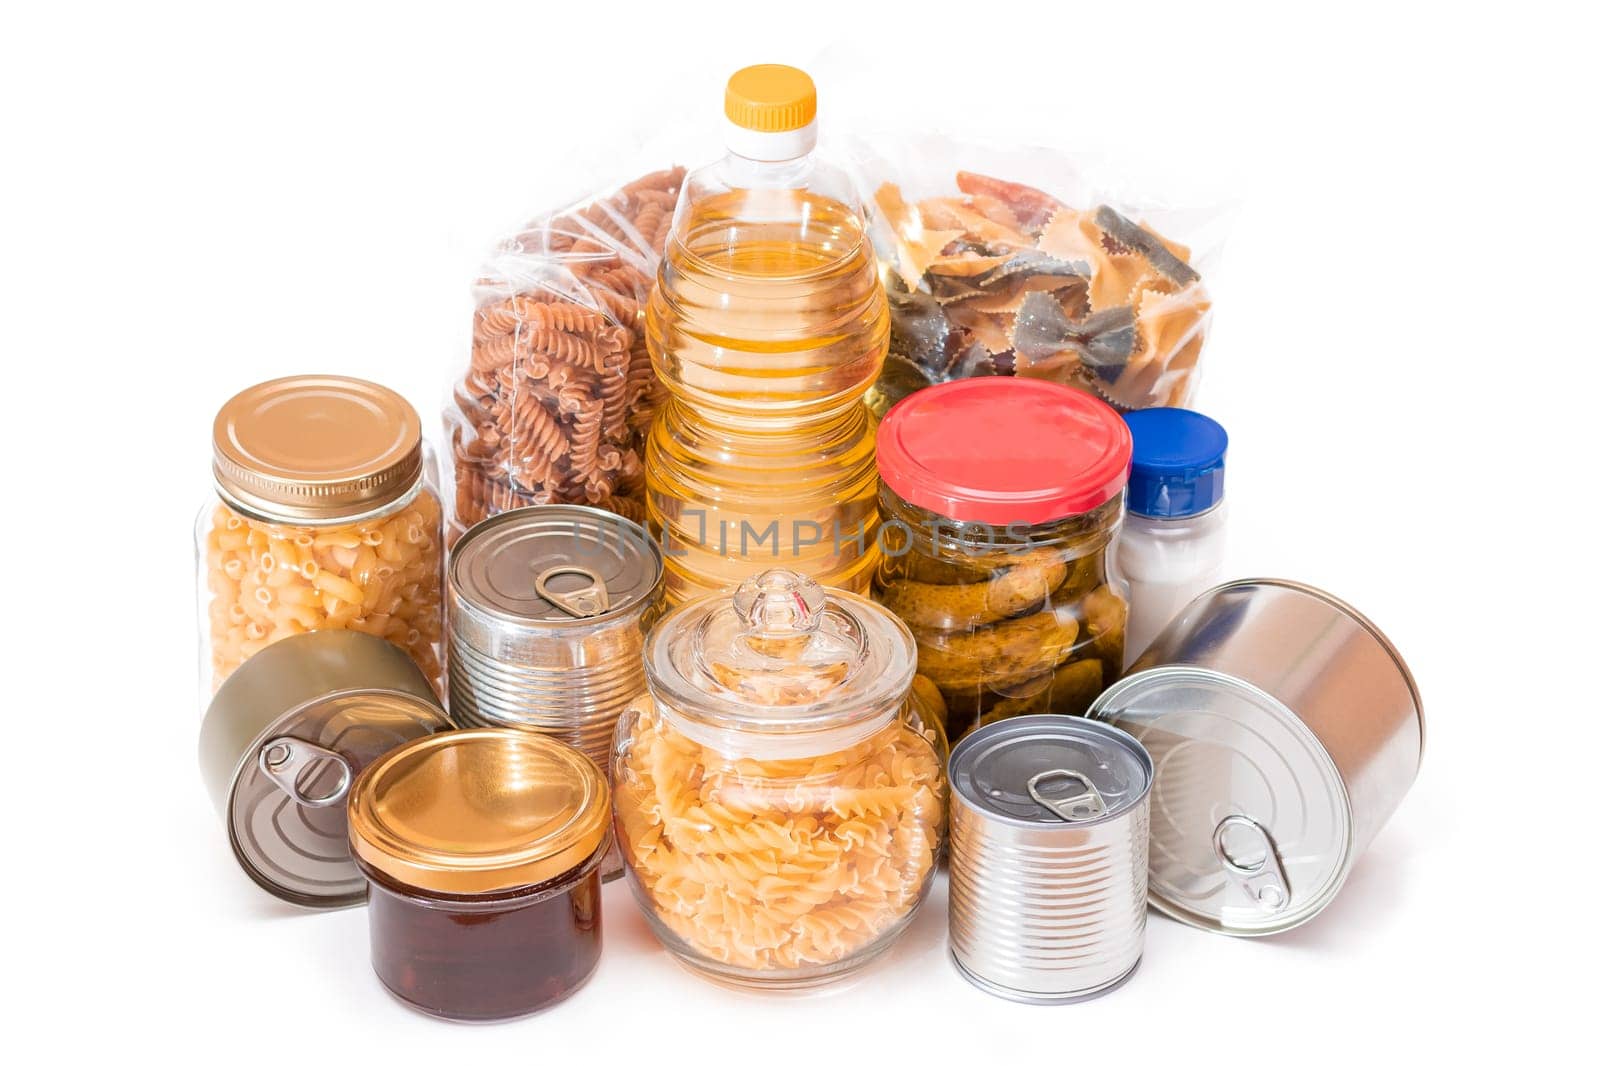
559,391
784,864
380,576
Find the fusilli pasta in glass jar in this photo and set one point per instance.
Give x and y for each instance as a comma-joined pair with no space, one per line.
324,519
779,801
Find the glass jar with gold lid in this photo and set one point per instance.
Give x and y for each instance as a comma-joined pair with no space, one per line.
324,518
779,799
482,848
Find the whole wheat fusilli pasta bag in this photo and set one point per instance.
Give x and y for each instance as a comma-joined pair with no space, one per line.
555,401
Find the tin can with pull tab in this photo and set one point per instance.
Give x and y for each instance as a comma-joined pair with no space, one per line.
1285,730
284,739
548,607
1049,843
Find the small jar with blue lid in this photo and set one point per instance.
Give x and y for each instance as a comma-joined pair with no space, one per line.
1172,543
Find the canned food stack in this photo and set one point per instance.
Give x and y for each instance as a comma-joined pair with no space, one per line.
760,746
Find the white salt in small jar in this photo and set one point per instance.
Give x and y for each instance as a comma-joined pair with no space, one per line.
1172,543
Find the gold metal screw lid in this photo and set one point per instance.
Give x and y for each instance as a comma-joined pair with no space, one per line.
316,448
479,810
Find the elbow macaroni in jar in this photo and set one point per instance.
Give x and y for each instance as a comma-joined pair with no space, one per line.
380,576
324,519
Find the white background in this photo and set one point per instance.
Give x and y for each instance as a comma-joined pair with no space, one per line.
1404,352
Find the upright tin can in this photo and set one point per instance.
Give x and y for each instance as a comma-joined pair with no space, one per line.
285,737
547,610
1049,846
1285,729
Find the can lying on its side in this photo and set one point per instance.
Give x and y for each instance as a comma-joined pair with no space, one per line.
1049,835
547,605
283,740
1285,730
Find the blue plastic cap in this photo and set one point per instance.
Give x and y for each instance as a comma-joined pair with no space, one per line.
1178,459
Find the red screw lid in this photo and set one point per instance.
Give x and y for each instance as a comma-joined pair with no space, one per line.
1002,450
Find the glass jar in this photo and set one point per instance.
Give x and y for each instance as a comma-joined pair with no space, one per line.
482,848
324,518
767,325
779,803
1000,497
1173,544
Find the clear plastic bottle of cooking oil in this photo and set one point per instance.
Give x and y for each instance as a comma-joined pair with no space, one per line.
767,325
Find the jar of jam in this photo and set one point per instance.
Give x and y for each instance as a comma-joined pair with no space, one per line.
779,802
323,517
482,848
999,499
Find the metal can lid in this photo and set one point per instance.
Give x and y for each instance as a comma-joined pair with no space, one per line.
286,814
1251,827
1050,769
316,449
282,742
477,811
554,564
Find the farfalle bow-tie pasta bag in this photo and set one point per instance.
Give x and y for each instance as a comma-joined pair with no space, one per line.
1024,263
556,399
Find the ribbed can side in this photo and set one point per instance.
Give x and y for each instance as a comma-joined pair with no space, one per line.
1045,912
574,693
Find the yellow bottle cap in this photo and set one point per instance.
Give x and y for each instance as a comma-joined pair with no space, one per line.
771,98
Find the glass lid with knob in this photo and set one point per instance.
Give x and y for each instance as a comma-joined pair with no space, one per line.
781,655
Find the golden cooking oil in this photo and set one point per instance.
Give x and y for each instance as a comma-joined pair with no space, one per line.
767,325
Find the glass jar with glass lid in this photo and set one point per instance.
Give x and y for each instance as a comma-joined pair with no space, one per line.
323,518
779,801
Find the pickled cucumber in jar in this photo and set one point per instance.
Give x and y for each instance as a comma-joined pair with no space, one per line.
999,499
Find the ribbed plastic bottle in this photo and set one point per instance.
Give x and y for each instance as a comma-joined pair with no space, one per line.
767,325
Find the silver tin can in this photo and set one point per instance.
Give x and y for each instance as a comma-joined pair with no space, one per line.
1049,843
284,738
547,610
1285,730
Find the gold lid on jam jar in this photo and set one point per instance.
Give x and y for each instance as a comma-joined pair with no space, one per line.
316,448
479,810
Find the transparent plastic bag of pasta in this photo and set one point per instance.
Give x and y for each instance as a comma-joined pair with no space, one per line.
1036,264
557,397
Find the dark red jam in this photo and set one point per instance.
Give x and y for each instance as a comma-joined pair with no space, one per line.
487,957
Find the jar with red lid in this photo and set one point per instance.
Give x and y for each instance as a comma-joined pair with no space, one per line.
999,498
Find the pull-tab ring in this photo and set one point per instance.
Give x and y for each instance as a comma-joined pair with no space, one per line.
580,603
1263,879
284,760
1077,808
